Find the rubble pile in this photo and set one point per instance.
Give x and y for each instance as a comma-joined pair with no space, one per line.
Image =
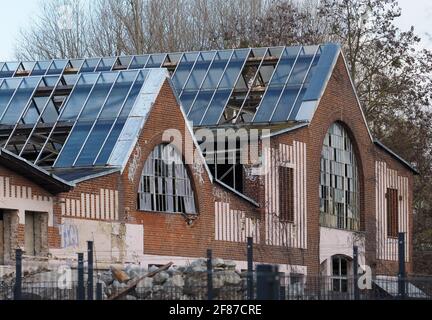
175,283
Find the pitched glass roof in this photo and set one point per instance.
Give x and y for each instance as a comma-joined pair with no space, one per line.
71,113
66,121
259,85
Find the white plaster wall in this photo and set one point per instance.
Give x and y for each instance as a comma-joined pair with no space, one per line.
113,242
35,204
340,242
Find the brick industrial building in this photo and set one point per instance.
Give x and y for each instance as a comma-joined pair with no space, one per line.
82,159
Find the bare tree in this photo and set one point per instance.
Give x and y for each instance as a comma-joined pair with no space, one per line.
59,31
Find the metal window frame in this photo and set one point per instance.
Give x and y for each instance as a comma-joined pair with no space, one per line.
40,116
26,108
251,87
217,86
62,109
190,194
233,88
269,84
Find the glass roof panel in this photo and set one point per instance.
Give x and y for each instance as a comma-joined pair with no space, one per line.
183,70
125,60
70,150
156,60
187,98
234,68
133,94
118,95
216,107
285,66
40,68
57,66
8,69
89,65
98,96
94,143
217,69
199,71
302,65
110,142
7,89
28,65
139,62
106,64
78,96
200,105
32,114
20,100
268,104
286,104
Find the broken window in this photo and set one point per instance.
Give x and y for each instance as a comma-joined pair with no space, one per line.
339,185
165,185
392,212
286,194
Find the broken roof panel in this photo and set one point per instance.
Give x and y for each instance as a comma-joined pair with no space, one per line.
258,85
65,121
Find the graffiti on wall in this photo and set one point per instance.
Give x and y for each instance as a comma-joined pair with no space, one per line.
136,159
69,236
198,169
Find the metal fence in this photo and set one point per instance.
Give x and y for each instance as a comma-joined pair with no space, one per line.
264,286
210,282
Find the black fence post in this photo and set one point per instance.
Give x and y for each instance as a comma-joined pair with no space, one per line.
99,289
250,291
355,271
80,288
90,270
401,274
268,283
18,274
209,275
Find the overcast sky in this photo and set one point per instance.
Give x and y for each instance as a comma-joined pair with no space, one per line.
15,14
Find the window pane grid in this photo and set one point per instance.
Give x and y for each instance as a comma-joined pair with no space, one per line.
165,185
339,191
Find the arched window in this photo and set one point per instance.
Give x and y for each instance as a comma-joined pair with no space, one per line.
339,185
165,185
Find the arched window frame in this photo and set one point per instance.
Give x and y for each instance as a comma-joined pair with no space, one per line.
339,189
165,184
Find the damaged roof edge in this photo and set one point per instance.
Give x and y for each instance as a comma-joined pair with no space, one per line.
396,156
241,195
36,174
280,132
137,118
190,129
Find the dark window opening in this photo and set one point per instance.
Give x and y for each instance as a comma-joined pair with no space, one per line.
286,194
392,198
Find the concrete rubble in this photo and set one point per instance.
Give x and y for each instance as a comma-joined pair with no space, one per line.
186,282
179,282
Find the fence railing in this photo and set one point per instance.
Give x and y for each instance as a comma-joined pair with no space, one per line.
206,281
268,286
